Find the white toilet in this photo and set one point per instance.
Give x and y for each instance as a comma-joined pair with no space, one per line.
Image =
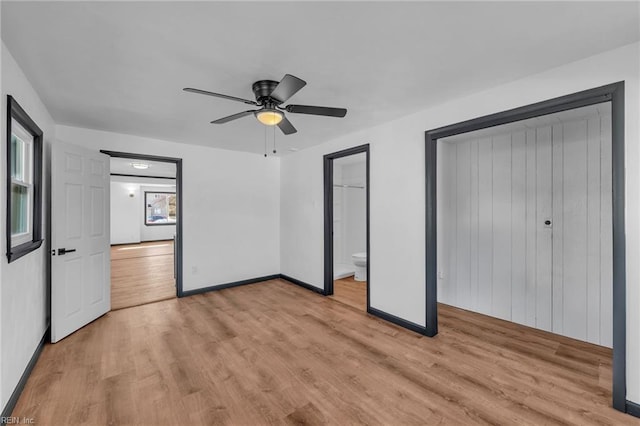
360,261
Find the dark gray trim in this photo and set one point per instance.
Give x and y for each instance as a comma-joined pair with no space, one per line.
137,156
144,205
612,92
303,284
328,226
619,249
229,285
178,246
142,176
431,262
563,103
15,112
633,409
398,321
13,399
328,217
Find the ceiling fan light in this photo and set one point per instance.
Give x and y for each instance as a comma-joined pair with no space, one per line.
269,117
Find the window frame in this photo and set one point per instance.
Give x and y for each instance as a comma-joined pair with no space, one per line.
27,170
144,200
21,245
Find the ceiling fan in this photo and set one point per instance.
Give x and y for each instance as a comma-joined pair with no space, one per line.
270,95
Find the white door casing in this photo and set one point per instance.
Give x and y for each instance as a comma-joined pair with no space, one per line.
80,279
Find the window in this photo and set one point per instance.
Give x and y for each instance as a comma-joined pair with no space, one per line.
160,208
24,182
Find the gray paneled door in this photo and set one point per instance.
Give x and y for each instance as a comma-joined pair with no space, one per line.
80,255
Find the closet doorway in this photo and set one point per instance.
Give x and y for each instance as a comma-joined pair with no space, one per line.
528,205
346,191
525,223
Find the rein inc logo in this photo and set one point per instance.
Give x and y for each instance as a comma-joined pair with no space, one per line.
17,421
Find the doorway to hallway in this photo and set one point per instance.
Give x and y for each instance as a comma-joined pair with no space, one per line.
145,229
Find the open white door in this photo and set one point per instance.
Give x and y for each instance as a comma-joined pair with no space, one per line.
80,243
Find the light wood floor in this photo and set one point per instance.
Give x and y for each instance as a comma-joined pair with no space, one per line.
141,273
352,292
275,353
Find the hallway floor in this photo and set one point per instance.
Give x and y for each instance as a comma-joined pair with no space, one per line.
141,273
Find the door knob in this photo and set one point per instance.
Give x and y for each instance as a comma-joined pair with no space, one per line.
62,251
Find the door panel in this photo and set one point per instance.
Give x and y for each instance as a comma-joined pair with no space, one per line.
80,279
542,253
573,175
501,225
485,231
518,228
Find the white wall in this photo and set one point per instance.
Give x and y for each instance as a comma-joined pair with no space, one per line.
24,299
231,205
397,176
126,213
497,256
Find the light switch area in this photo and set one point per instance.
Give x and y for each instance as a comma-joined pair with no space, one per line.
440,275
194,270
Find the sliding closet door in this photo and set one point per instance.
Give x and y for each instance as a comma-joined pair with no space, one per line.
496,252
524,225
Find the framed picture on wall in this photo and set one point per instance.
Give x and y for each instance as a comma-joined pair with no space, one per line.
159,208
24,182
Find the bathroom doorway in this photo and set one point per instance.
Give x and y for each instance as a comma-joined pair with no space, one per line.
347,226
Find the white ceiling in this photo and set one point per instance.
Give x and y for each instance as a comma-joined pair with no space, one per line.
121,66
156,168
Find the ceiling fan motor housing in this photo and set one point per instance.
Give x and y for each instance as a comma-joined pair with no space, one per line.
262,90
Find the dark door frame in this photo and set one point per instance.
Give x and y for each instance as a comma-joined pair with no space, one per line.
613,93
328,217
178,243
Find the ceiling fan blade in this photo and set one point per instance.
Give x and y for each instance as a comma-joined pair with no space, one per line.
317,110
233,117
288,86
286,126
219,95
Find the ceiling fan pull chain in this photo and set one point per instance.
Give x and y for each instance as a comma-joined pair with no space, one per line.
265,141
274,139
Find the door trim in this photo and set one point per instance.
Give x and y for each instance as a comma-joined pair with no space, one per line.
328,217
613,93
178,246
